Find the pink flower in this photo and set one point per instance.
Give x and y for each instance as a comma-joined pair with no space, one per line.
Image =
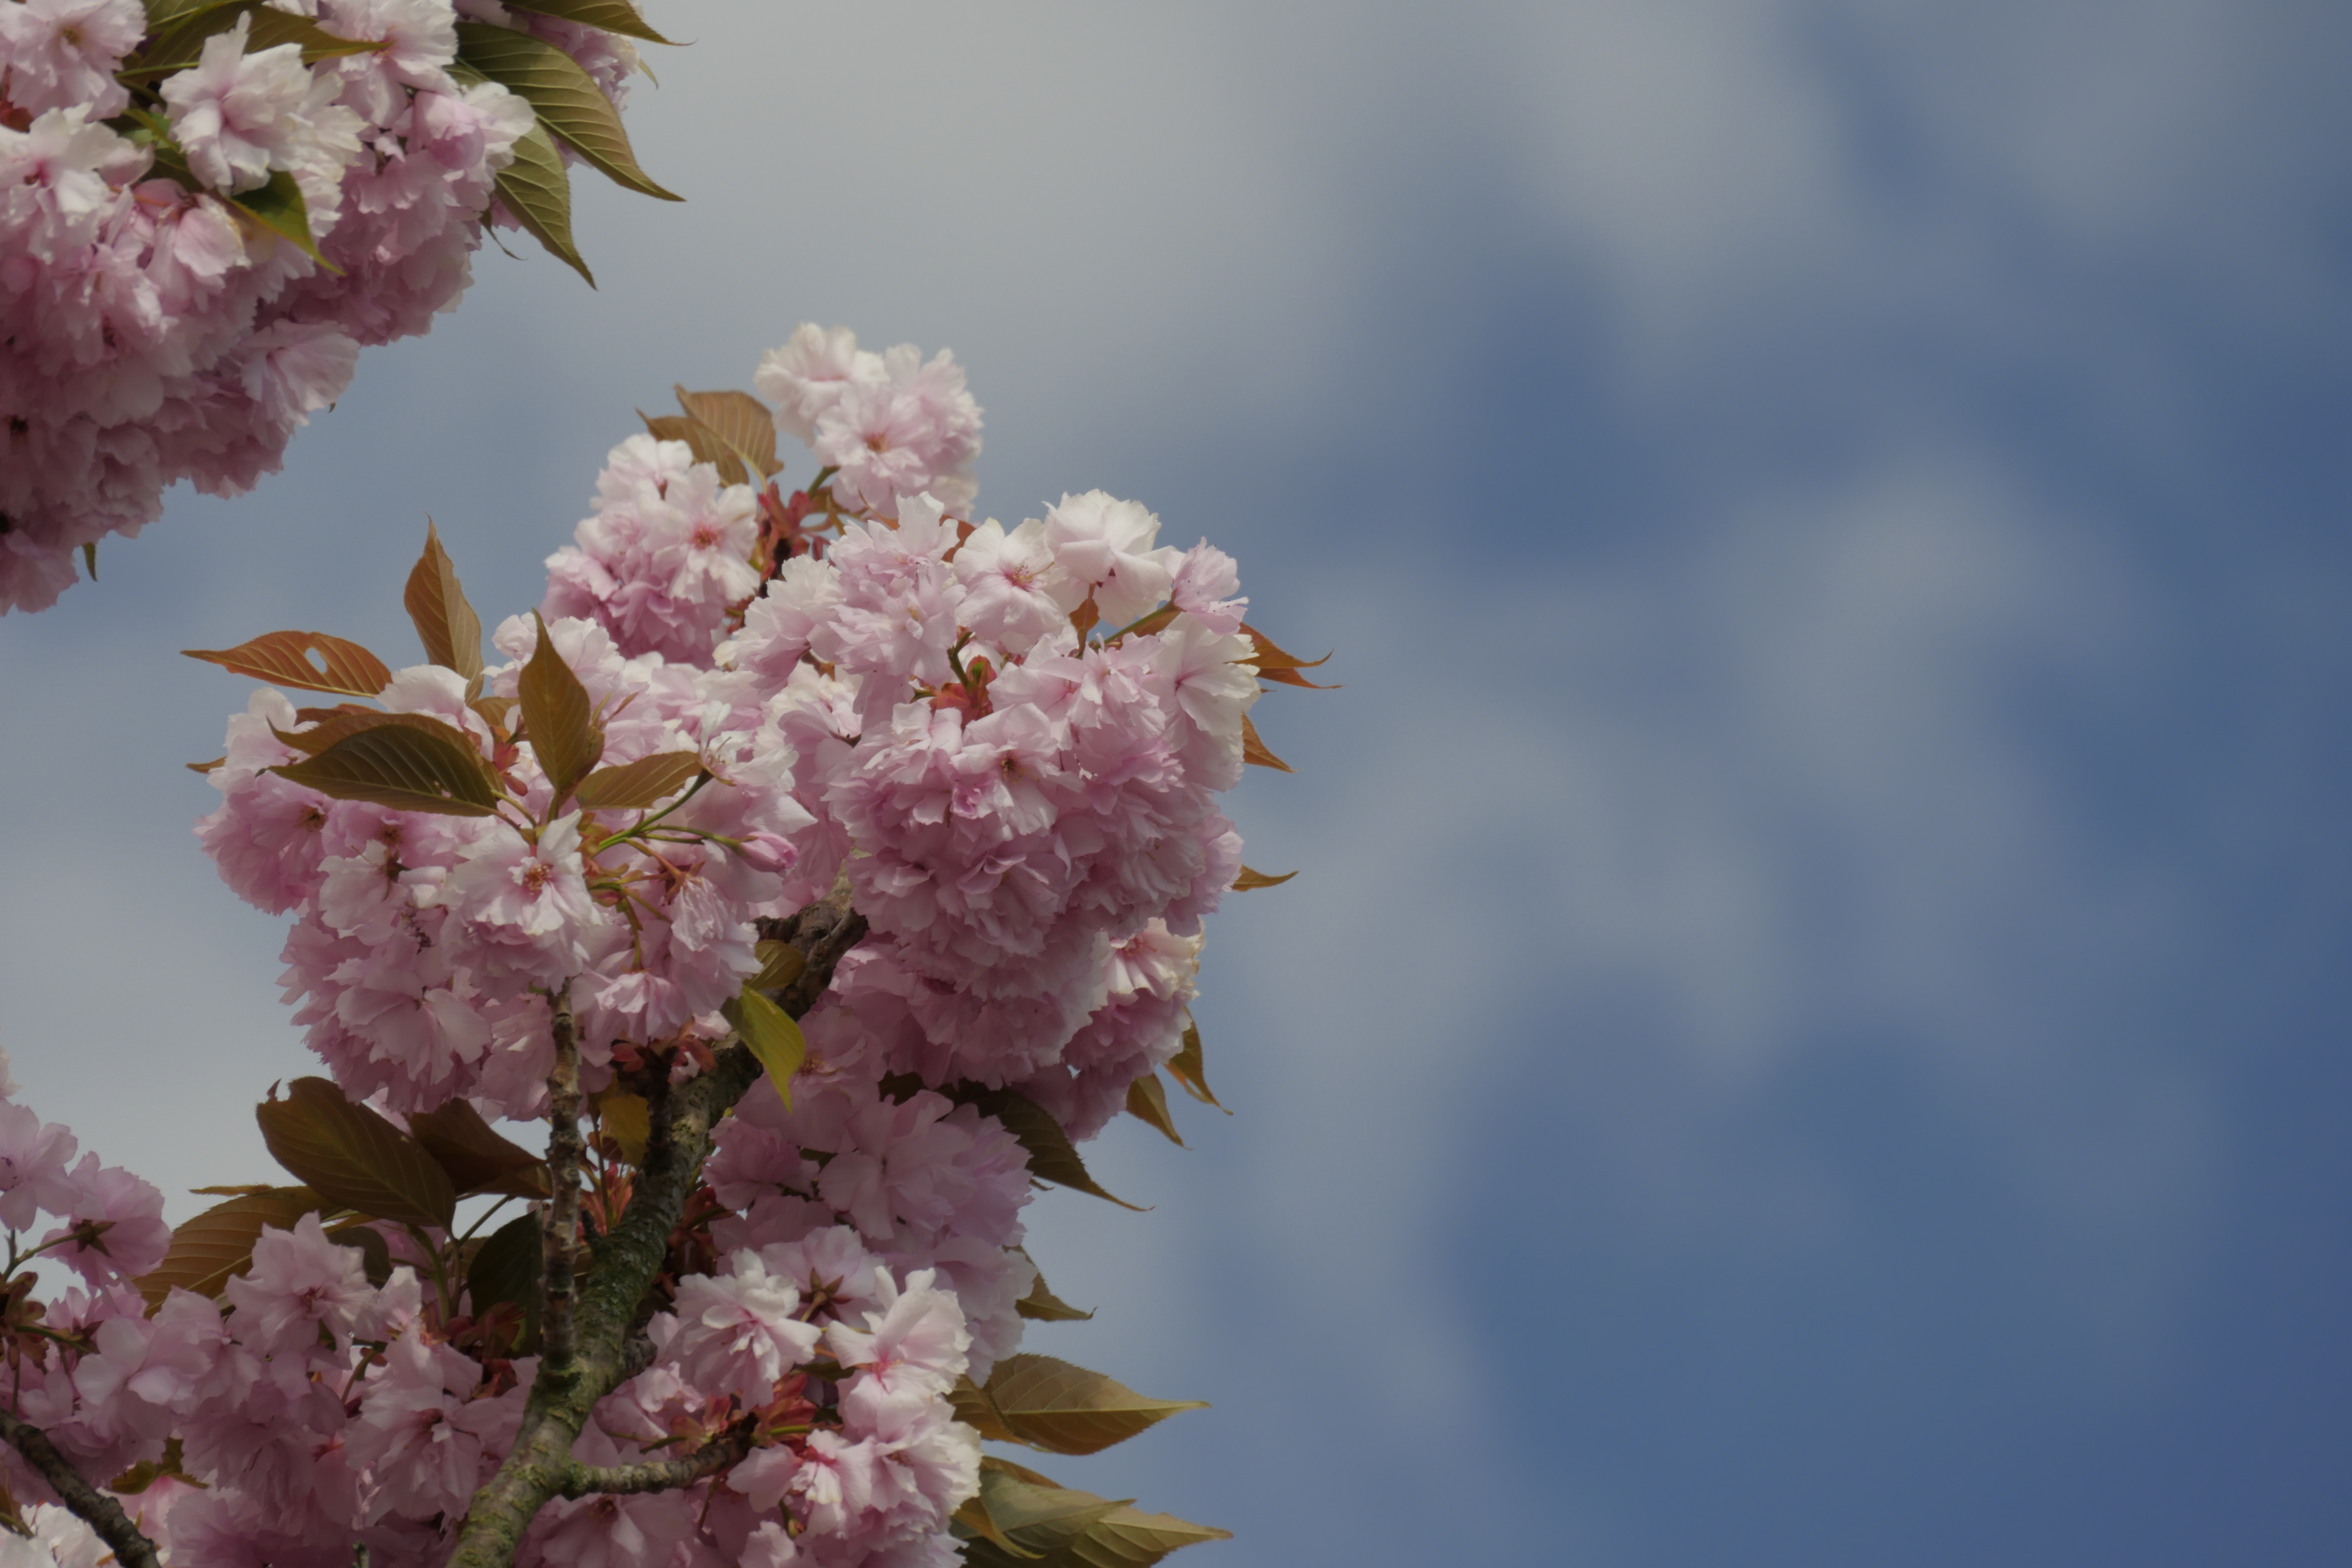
60,53
291,370
831,1264
147,1371
735,1333
1205,586
238,116
1006,580
33,1157
423,1459
665,556
890,424
807,375
301,1281
911,1349
1103,546
530,897
1201,674
114,1228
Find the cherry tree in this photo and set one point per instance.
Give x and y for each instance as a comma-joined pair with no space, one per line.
820,870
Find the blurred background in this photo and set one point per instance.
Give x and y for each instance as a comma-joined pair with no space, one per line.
1812,1026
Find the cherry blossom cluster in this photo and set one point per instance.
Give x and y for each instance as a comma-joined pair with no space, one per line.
1024,805
310,1409
425,946
161,317
1005,744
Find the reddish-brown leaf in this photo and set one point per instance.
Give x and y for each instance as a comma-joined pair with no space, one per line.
638,786
1253,750
557,718
436,600
743,427
1250,880
1273,664
1184,1067
477,1158
419,765
355,1158
1146,1102
217,1245
307,661
1066,1409
1042,1305
329,725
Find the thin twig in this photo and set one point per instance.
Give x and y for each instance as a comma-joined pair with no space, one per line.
93,1507
659,1475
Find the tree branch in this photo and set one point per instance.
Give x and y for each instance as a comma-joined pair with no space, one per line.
659,1475
625,1261
560,1232
93,1507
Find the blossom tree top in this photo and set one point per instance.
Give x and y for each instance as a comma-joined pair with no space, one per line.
823,870
208,207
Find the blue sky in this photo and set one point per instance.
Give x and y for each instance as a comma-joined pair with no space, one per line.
1810,1030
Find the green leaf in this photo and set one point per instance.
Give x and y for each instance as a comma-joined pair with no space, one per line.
217,1245
780,964
287,659
1127,1538
743,427
147,1472
1052,1156
1041,1305
1025,1516
773,1036
506,1267
1147,1101
159,11
613,16
563,94
537,190
557,718
179,45
1250,881
1184,1067
355,1158
408,767
279,207
635,786
477,1158
1066,1409
89,557
628,1120
435,602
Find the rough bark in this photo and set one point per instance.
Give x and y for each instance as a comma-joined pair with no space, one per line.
622,1266
560,1229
